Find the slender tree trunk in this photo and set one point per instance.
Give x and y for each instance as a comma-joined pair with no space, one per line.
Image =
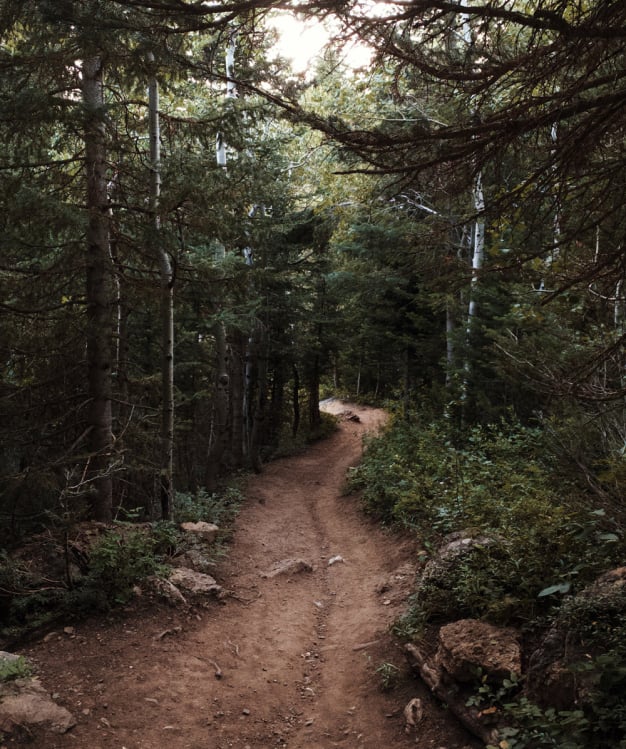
260,403
277,405
237,387
478,254
166,472
314,394
220,430
98,291
296,401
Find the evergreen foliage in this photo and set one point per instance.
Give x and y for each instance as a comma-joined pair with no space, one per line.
442,232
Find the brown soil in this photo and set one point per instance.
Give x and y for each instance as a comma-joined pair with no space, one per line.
298,655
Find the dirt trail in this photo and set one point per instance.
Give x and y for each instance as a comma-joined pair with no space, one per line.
297,653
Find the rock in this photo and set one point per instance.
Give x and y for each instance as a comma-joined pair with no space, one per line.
288,567
196,583
166,590
469,646
24,703
335,559
434,585
413,714
8,657
455,547
550,680
195,560
207,532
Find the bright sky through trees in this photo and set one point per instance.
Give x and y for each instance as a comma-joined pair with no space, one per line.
303,42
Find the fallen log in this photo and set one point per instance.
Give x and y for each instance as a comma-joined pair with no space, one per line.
433,676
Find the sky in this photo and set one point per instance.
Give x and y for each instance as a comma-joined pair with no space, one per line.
302,42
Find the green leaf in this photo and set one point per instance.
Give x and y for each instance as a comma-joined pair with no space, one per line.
559,588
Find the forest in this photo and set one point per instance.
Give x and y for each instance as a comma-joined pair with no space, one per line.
199,244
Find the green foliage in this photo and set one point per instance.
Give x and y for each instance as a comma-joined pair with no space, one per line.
388,674
498,483
121,558
219,507
538,728
14,669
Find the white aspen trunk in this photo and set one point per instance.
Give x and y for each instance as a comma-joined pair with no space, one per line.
231,93
556,221
97,291
478,249
166,274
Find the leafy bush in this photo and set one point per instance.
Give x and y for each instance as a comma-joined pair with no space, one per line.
219,508
17,668
499,482
120,559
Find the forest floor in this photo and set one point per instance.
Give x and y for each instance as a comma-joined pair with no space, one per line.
293,660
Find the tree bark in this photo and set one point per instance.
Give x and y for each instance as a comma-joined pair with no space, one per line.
166,274
98,292
237,388
313,386
432,676
296,401
220,431
260,403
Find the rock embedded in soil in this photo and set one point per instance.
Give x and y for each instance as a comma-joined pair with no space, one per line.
25,703
470,646
195,583
206,532
288,567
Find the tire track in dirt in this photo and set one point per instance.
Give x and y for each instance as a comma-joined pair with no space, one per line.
297,652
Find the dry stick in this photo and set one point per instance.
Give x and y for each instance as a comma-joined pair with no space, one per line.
218,670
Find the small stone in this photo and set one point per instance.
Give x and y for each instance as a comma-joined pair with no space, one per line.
206,531
245,711
335,559
69,630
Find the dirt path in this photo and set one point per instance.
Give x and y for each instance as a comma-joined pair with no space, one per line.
298,653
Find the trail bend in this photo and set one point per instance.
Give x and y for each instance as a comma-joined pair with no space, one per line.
299,655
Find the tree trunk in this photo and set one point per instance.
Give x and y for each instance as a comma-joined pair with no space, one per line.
166,274
296,401
277,405
260,403
478,255
220,429
98,292
313,387
237,387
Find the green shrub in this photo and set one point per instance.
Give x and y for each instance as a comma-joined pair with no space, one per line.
120,559
220,508
17,668
499,482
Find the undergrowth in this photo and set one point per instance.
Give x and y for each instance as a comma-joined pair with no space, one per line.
115,562
501,483
540,540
